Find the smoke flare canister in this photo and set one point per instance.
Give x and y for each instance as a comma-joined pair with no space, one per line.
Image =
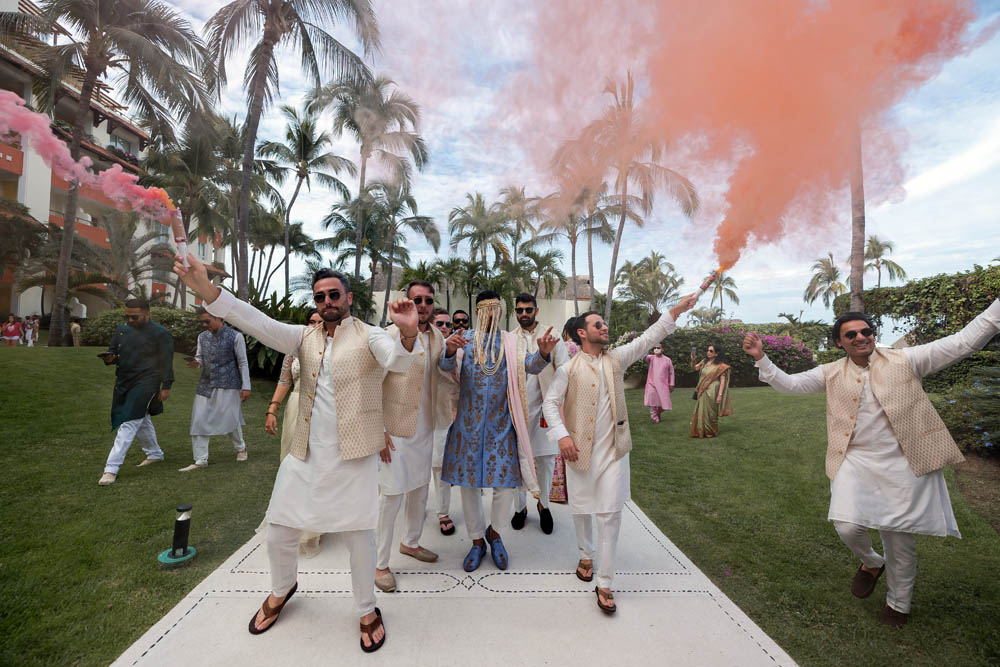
706,283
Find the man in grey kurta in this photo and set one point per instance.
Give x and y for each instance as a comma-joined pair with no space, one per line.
224,384
143,352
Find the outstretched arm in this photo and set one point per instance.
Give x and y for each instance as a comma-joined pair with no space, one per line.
808,382
630,353
932,357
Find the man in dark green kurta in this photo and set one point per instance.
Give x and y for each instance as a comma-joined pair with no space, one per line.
143,351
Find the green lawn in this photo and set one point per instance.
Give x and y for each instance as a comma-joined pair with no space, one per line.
78,562
749,508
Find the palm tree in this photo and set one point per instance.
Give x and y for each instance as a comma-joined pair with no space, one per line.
857,276
133,255
269,25
520,210
303,154
480,225
384,121
147,48
545,267
449,271
724,286
22,235
618,139
422,270
875,251
825,282
651,282
563,219
700,317
472,278
394,202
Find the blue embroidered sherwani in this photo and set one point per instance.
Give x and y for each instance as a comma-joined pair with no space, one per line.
481,450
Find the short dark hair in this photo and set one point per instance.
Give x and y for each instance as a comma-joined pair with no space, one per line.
487,294
577,323
459,311
322,274
141,304
310,313
418,283
850,317
524,297
439,311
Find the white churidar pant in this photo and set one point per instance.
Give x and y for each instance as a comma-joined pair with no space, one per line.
544,467
472,509
127,432
199,443
388,509
442,490
283,555
608,527
900,559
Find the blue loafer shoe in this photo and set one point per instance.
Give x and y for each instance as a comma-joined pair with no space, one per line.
497,550
475,557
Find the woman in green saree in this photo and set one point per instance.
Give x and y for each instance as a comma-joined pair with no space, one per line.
712,395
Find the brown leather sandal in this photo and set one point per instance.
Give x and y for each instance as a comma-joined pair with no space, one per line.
369,629
607,609
446,521
271,612
581,566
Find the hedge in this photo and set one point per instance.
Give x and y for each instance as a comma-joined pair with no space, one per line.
971,410
790,355
182,324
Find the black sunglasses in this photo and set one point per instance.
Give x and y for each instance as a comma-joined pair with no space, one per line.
524,311
442,324
421,300
460,321
333,295
866,332
133,317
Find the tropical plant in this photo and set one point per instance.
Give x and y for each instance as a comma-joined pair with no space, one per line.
397,209
482,227
22,236
619,140
700,317
520,210
147,48
545,267
825,283
384,121
651,282
875,256
563,219
304,155
472,277
450,271
724,286
269,25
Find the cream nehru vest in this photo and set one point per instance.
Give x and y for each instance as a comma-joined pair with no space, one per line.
923,437
580,406
527,343
401,391
357,388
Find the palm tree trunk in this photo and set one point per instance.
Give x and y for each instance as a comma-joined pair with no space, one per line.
257,87
572,262
288,221
253,262
388,274
878,267
59,325
590,264
359,234
267,271
857,231
614,253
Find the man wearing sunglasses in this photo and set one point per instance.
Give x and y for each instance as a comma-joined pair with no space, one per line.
143,352
442,495
460,321
329,482
595,440
886,446
415,403
223,386
526,311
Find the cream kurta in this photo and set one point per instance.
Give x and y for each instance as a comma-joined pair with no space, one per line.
410,467
324,493
540,443
875,486
605,486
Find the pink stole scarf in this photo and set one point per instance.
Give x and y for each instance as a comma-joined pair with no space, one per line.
517,415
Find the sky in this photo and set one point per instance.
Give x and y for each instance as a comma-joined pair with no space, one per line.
464,63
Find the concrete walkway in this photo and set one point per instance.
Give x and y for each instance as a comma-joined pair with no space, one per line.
535,613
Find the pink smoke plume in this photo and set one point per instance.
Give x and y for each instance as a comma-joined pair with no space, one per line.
119,185
780,90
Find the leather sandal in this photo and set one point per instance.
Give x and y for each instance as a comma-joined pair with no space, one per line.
369,629
446,521
607,609
271,612
581,566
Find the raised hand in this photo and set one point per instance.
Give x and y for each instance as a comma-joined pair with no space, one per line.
547,343
684,305
403,314
454,343
196,277
754,346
